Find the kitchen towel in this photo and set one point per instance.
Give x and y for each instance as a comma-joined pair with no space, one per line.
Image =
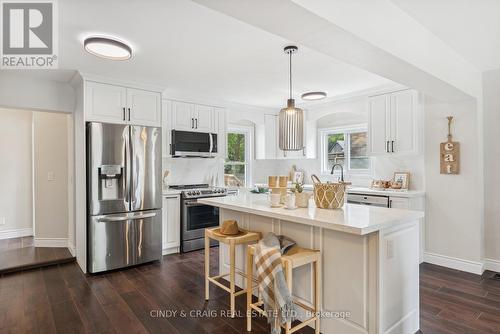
278,302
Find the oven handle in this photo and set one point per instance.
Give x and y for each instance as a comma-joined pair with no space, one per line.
193,203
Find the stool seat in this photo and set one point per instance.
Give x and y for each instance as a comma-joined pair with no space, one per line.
295,257
243,237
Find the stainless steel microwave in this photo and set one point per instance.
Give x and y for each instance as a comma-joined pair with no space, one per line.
193,144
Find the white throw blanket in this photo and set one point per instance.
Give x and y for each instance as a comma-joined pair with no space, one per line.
277,299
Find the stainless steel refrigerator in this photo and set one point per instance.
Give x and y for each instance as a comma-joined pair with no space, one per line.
123,195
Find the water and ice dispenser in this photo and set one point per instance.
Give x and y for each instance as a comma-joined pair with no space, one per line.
111,182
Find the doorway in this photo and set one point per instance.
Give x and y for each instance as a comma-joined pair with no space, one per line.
35,206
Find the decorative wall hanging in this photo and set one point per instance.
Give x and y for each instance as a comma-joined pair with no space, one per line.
450,153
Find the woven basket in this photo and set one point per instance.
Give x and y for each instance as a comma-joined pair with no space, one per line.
328,195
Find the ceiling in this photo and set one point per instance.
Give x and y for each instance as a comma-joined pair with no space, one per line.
470,27
189,48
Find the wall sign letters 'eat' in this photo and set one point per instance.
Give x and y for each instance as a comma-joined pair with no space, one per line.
450,153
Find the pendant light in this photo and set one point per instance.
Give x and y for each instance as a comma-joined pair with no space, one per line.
291,119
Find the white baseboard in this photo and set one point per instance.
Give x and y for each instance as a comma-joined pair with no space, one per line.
454,263
72,249
168,251
51,242
493,265
16,233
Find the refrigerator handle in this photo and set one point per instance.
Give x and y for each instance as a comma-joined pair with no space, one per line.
124,218
128,161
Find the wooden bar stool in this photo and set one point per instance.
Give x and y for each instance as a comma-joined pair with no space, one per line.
295,257
243,238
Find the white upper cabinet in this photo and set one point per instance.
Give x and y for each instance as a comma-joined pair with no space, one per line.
144,107
393,123
182,116
186,116
105,103
404,121
117,104
203,118
194,117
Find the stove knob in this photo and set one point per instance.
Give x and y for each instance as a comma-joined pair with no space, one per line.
189,193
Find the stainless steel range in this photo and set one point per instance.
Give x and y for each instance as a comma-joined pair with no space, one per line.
196,217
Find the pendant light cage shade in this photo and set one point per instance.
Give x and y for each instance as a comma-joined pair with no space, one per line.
291,119
291,128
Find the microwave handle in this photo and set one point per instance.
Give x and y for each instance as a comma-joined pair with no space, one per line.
211,142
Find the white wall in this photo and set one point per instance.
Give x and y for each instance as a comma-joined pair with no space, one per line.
50,140
35,93
15,171
491,105
453,208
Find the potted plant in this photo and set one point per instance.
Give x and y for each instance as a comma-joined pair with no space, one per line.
301,197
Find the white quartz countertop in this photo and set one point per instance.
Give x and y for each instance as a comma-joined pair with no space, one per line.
352,218
171,192
386,192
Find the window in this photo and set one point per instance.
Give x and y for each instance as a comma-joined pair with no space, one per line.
347,147
237,164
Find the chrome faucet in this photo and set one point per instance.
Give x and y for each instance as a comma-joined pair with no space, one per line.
341,171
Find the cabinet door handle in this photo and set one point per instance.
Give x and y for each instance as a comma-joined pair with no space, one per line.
387,146
196,120
392,146
390,203
124,117
192,123
129,114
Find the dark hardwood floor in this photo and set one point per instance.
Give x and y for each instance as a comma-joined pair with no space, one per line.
62,299
18,254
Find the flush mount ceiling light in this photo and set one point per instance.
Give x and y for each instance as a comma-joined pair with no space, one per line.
291,119
313,96
108,48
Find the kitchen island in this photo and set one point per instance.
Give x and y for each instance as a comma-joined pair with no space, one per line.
370,260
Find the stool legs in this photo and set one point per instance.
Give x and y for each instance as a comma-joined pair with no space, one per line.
317,294
249,289
289,283
232,265
207,268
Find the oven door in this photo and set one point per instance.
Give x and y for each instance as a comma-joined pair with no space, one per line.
196,218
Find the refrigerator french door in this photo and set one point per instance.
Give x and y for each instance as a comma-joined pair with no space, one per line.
123,195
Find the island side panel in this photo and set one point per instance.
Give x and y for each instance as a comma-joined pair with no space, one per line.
399,279
350,269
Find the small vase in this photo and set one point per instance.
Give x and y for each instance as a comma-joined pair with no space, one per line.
302,199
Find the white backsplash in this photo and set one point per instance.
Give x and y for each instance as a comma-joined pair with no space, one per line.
194,170
383,168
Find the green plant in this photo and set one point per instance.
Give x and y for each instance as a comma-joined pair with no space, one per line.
298,188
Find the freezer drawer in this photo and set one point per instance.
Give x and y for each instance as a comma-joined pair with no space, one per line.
122,240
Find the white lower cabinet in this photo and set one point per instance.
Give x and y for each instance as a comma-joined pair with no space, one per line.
413,203
171,224
399,203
